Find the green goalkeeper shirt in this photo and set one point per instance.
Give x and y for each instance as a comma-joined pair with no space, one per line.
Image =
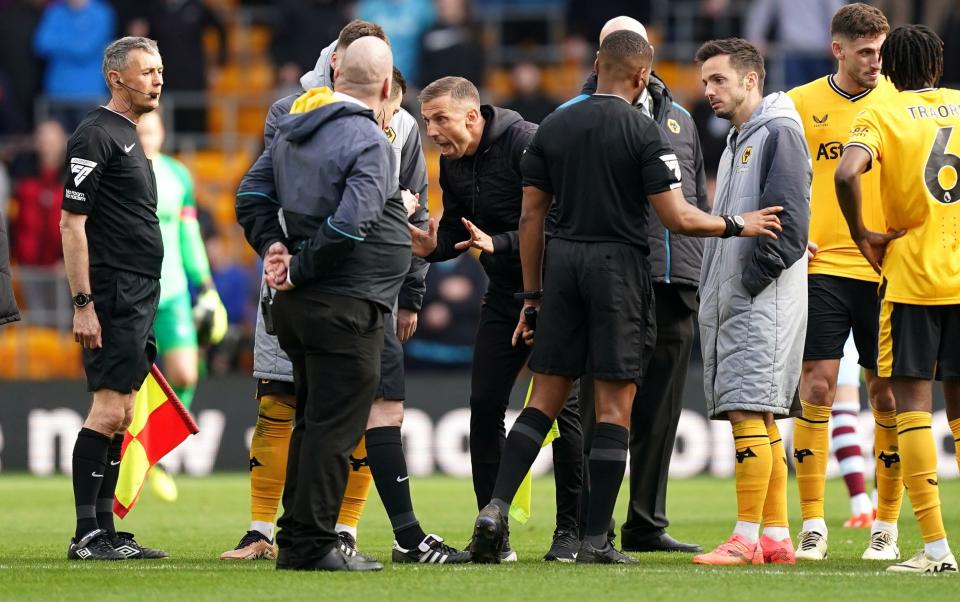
184,256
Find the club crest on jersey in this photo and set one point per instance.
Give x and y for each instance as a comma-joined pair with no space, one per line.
391,134
81,168
673,125
745,157
820,120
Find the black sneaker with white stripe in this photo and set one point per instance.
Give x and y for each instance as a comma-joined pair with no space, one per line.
93,546
125,544
348,545
431,550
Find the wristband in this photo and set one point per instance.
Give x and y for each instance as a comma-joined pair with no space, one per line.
531,295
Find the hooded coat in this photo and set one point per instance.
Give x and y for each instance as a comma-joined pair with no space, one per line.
331,173
753,291
269,361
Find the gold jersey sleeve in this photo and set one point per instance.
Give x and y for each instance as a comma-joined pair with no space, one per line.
827,112
915,138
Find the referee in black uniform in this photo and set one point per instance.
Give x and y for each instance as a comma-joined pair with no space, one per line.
113,252
598,158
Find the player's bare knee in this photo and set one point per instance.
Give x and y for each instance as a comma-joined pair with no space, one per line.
818,388
385,413
881,395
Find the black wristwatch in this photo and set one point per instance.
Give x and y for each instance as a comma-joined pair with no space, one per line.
533,295
735,225
82,299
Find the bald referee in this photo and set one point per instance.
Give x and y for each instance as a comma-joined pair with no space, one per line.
113,251
605,163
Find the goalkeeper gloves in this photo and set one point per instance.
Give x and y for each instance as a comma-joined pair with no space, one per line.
210,317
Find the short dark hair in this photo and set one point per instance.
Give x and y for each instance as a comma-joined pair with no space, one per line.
459,89
356,29
399,83
744,56
623,52
859,20
912,57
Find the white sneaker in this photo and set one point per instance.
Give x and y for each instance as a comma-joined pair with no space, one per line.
921,563
812,546
883,546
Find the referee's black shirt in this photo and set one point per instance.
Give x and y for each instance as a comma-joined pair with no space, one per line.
111,180
601,158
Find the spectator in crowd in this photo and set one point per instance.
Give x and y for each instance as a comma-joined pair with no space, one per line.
19,64
404,21
35,244
450,315
802,35
71,37
178,27
528,97
452,45
300,23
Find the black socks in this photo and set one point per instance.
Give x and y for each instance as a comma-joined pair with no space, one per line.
389,470
89,460
523,445
608,461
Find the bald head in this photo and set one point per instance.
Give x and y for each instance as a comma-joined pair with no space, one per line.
623,23
365,69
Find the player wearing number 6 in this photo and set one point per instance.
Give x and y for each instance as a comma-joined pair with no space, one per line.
912,137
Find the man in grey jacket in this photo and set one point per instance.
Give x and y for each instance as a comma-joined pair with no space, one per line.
753,294
331,225
383,453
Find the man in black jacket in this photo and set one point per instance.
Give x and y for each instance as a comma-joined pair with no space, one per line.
480,149
675,270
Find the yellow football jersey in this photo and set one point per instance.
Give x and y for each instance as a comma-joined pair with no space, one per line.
827,112
915,136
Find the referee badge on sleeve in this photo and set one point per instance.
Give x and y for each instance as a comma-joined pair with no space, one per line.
81,168
672,164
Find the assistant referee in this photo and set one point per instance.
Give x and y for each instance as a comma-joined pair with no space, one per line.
113,252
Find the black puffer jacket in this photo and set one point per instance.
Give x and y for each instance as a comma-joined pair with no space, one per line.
486,189
674,258
8,305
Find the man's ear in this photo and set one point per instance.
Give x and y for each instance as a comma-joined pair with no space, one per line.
596,64
333,59
473,115
386,88
837,48
336,74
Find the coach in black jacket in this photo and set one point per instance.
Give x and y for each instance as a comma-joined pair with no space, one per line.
675,270
480,150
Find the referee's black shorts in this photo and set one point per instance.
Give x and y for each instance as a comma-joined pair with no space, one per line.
835,306
598,312
126,305
391,387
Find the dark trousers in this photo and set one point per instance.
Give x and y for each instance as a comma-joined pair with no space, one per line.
334,343
496,365
654,418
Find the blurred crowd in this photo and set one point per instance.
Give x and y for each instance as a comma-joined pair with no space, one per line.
527,55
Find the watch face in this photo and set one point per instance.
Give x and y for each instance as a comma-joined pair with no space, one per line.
739,221
81,299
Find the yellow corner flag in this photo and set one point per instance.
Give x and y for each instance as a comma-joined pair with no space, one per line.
160,424
521,508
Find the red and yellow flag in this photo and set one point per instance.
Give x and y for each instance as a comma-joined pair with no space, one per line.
160,423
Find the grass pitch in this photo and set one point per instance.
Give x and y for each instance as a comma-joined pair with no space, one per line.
211,515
